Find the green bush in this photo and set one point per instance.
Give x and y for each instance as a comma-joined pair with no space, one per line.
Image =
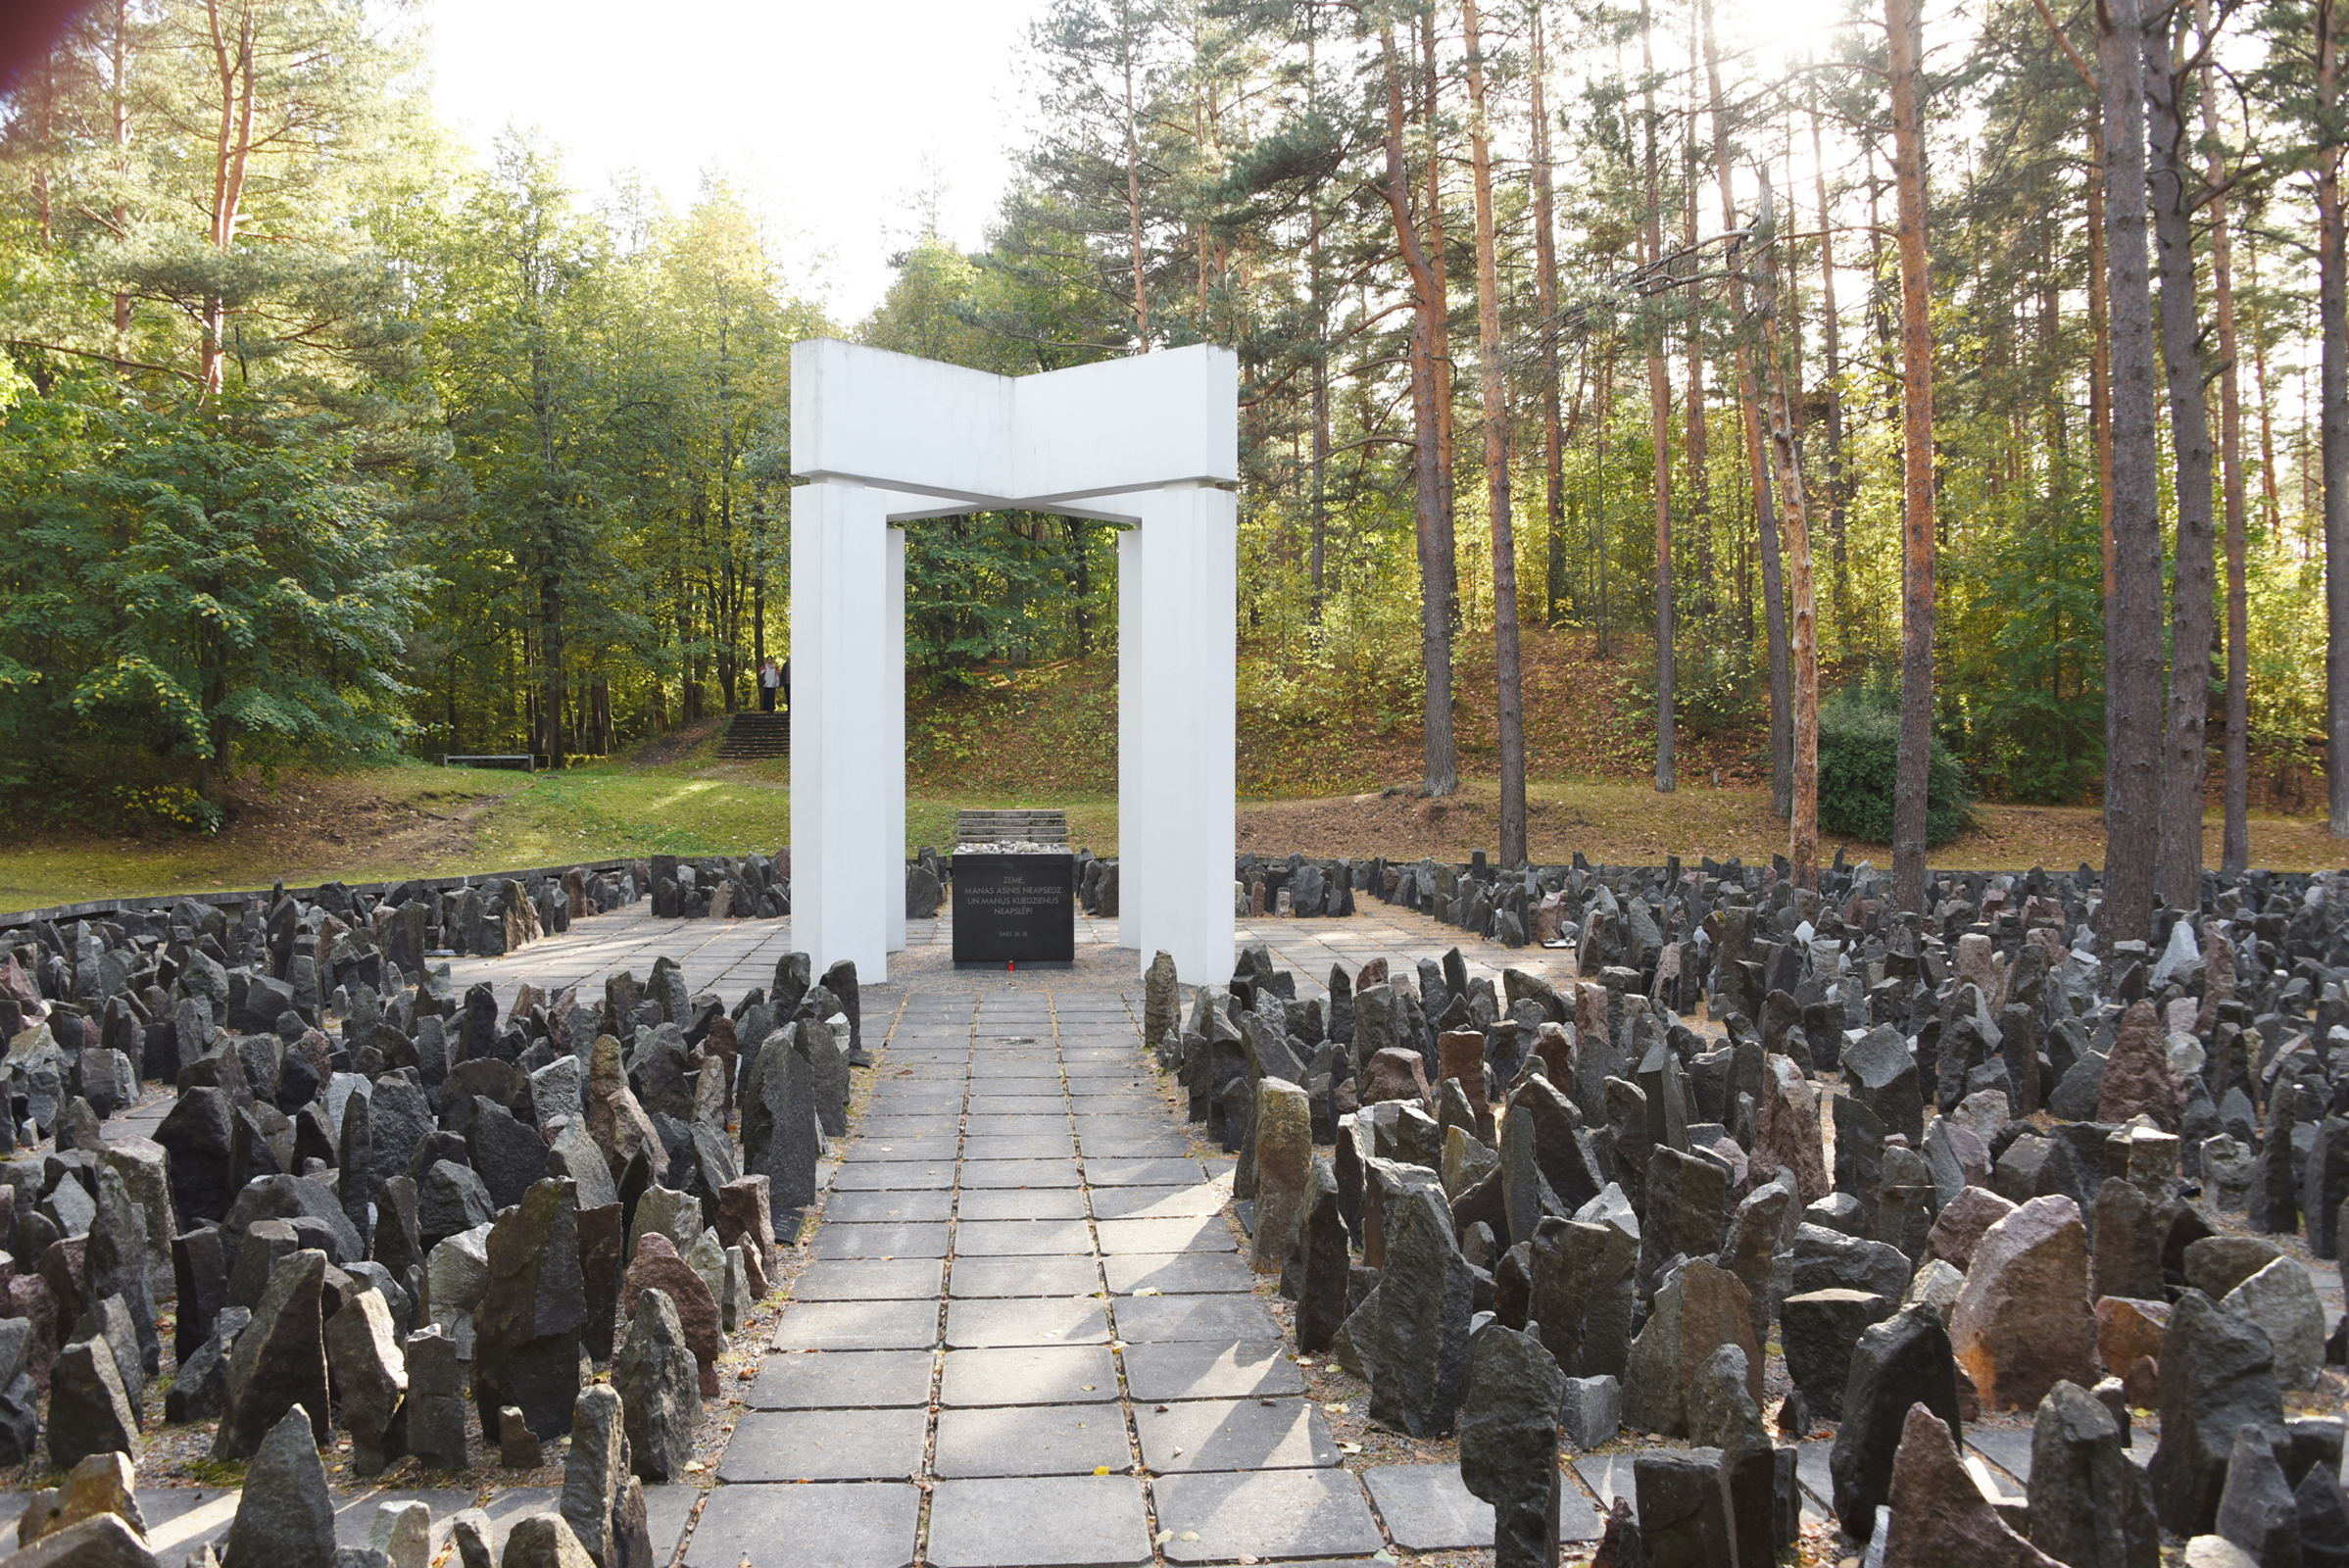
1859,760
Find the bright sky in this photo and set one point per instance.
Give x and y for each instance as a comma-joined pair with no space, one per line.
833,117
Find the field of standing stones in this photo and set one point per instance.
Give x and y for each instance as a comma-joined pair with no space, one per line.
1779,1163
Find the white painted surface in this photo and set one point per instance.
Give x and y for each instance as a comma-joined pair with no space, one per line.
883,436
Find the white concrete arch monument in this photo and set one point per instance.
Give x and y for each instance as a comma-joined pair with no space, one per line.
879,439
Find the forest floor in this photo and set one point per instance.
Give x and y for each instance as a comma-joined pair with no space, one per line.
1341,785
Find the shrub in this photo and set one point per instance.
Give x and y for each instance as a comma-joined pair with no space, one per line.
1859,760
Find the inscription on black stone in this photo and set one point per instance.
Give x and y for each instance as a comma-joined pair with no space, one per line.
1015,908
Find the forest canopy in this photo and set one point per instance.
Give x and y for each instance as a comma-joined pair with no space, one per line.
329,435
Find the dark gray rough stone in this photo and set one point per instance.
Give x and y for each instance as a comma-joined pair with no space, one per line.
2257,1509
526,1330
2217,1376
89,1410
1903,1360
1411,1334
1683,1517
1509,1442
285,1515
2090,1506
656,1376
279,1360
1818,1330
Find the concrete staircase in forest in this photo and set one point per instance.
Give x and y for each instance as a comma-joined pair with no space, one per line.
750,737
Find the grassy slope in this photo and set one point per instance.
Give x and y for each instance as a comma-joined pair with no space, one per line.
1047,735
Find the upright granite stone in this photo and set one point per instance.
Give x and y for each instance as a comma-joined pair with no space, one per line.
115,1263
1901,1362
435,1404
2217,1376
544,1541
781,1139
654,1373
2024,1321
279,1362
1411,1332
89,1409
1700,1309
1820,1329
285,1514
2090,1506
2257,1510
596,1483
1325,1265
1509,1442
1939,1516
526,1330
1684,1511
658,1267
2283,1300
369,1377
1582,1294
1284,1144
2138,1079
1686,1212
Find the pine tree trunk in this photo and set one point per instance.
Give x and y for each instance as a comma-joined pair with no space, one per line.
1440,338
1546,307
1509,687
2332,313
2235,845
1837,499
1435,624
1765,518
1803,851
2134,614
1660,421
2179,859
1909,796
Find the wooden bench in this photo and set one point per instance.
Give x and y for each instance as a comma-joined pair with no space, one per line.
522,763
1046,825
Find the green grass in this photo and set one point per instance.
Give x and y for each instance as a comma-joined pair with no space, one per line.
607,809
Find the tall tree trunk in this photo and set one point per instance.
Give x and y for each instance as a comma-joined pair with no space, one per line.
1837,498
1440,325
1545,305
1659,423
2133,648
2333,312
1909,793
2178,863
1509,687
1802,853
2235,845
1434,623
1765,518
232,69
1125,61
1698,511
2269,499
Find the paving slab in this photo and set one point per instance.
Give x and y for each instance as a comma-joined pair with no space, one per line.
1267,1514
1234,1435
2009,1449
1045,1440
1158,1202
1030,1374
1021,1202
889,1208
867,1524
1021,1238
1427,1508
1177,1273
179,1519
1207,1370
991,1147
869,1279
1206,1233
1609,1477
842,1380
1219,1319
668,1512
983,1173
869,1175
511,1506
879,1240
1102,1168
1025,1320
1026,1276
1039,1522
856,1326
826,1445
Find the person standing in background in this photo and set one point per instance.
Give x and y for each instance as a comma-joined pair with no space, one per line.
769,677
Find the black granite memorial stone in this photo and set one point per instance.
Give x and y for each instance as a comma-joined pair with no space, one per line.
1015,908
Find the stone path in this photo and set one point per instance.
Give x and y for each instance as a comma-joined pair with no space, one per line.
1025,1297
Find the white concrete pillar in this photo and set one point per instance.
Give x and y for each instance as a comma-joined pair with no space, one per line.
1134,878
1176,758
892,709
843,751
